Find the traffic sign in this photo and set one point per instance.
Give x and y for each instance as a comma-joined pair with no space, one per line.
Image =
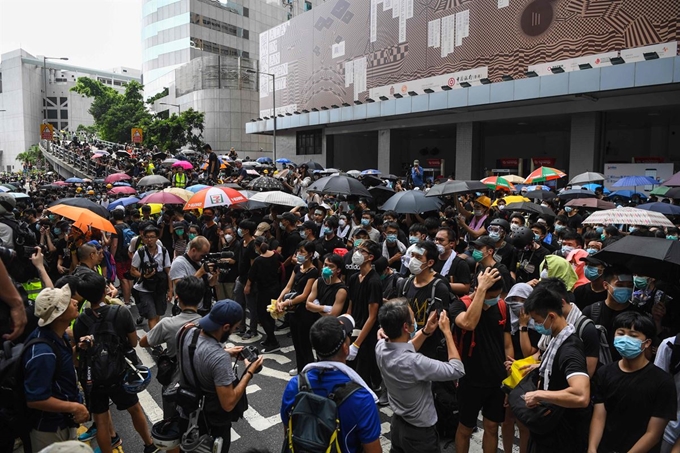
46,131
137,135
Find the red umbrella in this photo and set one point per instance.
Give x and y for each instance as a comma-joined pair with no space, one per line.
116,177
214,196
184,164
122,189
162,197
61,183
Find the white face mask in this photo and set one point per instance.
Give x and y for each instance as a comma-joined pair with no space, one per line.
440,249
415,266
544,273
228,237
358,258
514,227
342,222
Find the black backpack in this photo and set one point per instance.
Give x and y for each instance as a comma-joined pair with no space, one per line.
105,359
21,269
14,414
674,364
313,421
605,356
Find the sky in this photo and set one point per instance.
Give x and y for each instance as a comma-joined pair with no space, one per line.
97,34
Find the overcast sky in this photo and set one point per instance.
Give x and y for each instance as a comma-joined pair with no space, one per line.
99,34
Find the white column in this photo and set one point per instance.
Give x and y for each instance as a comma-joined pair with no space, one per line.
584,147
384,151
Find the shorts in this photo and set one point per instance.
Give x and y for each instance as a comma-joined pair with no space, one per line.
150,305
99,399
122,268
473,399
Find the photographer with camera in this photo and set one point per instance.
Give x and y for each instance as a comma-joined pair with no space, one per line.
192,263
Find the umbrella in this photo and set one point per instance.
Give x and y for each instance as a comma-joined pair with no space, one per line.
251,163
510,199
182,193
13,187
354,173
265,183
121,184
371,171
453,187
168,162
44,187
626,194
543,174
590,203
498,183
339,185
82,203
264,160
576,193
122,189
313,165
673,192
540,195
116,177
649,256
279,198
390,177
661,190
662,208
5,189
96,156
163,198
371,181
18,195
184,164
83,217
214,196
589,176
411,202
673,181
249,205
514,179
284,161
152,180
74,181
197,188
223,165
628,216
231,185
159,155
524,206
127,201
595,186
122,153
252,172
634,181
381,194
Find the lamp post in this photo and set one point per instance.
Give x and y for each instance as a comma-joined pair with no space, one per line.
273,76
47,146
179,109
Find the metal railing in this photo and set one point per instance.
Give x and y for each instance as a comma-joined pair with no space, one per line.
69,158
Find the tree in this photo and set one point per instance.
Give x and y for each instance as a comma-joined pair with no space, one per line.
175,131
158,96
32,156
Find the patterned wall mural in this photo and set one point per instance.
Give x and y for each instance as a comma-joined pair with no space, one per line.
347,50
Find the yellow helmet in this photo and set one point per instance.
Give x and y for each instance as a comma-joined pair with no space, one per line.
79,189
109,186
90,192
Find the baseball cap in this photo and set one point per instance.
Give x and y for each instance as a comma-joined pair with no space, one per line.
484,241
288,216
591,260
51,303
309,225
262,228
223,312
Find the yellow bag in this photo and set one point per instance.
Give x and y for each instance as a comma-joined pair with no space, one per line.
271,308
516,374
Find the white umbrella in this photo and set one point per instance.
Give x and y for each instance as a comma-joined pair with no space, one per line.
628,216
589,176
513,179
278,197
354,173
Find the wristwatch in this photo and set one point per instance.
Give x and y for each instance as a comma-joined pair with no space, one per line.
523,329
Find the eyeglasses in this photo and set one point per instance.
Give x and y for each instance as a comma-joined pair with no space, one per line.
150,237
436,239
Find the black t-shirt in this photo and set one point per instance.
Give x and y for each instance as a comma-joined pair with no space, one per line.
362,294
212,160
247,253
210,233
631,399
507,255
591,340
121,251
329,245
289,243
420,301
528,263
459,270
350,268
233,271
584,296
265,273
483,362
534,338
606,320
574,221
391,251
301,278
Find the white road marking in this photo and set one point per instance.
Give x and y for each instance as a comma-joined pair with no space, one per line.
258,422
284,376
252,389
152,410
387,411
278,358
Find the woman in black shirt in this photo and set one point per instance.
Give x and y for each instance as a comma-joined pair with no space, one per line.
265,273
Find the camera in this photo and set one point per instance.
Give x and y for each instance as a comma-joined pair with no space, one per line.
249,353
214,258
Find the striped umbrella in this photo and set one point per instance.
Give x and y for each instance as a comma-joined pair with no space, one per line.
628,216
214,196
498,183
543,174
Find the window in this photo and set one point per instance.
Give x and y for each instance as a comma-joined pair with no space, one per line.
246,35
62,100
51,114
64,114
309,142
0,82
246,12
308,6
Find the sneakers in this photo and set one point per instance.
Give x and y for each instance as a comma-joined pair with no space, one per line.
90,434
139,321
293,372
247,336
116,441
267,349
150,448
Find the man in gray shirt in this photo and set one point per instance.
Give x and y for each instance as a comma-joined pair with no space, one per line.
408,375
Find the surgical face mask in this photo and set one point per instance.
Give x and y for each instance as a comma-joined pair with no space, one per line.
478,212
621,294
415,266
327,273
544,273
628,347
541,329
301,259
592,251
640,282
57,231
342,222
603,237
477,255
491,302
179,232
239,232
567,209
632,229
282,226
672,237
591,273
441,249
501,207
514,227
495,235
415,328
392,238
358,258
413,239
566,250
326,231
599,230
357,242
559,227
228,237
537,237
365,222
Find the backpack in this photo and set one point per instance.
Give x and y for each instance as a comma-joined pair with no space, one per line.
313,420
14,414
674,364
127,236
21,269
105,359
468,301
605,356
110,266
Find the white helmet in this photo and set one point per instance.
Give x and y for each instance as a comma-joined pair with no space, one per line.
166,434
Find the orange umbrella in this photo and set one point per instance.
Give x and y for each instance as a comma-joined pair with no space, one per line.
498,183
83,218
223,166
543,174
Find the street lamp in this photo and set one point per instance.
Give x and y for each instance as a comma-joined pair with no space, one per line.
252,71
47,147
179,109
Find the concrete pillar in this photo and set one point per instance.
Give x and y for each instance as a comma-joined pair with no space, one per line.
384,151
584,148
468,152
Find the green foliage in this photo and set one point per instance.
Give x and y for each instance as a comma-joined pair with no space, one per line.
32,156
158,96
176,131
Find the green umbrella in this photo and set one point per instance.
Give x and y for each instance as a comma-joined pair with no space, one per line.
660,190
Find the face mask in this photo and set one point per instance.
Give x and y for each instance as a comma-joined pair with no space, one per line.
192,236
566,250
413,239
501,207
57,231
632,229
544,205
301,259
357,242
358,258
541,329
478,212
591,273
179,232
559,227
477,255
628,347
440,249
640,282
415,266
392,238
52,217
599,230
537,237
326,231
365,222
282,226
415,328
544,273
327,273
671,237
621,295
239,232
514,227
228,237
567,209
496,236
592,251
491,302
342,222
603,237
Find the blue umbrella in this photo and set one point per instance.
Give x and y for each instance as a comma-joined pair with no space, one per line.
283,160
197,188
626,194
371,171
633,181
663,208
74,181
140,196
121,183
123,202
264,160
594,186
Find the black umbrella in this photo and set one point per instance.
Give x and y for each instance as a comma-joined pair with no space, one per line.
525,206
83,203
160,156
265,184
648,256
575,193
339,185
371,181
411,202
230,185
380,194
540,195
390,177
313,165
453,187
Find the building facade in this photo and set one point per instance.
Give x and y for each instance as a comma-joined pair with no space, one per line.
22,86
